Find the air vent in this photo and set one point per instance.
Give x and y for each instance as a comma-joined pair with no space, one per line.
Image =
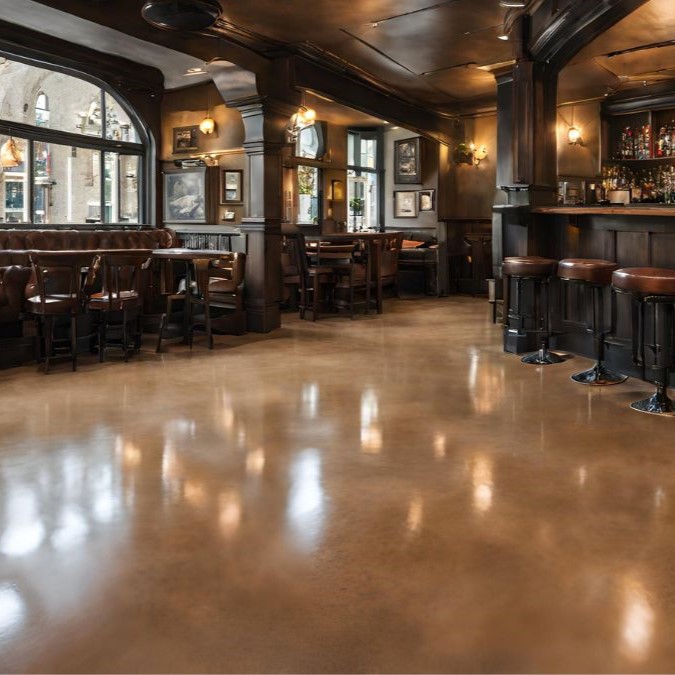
181,14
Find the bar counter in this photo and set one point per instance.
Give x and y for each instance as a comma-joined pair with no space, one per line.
641,235
661,210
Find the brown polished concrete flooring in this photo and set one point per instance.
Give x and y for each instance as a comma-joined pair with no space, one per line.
392,494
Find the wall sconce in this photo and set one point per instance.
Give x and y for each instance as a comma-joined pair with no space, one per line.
574,136
470,154
304,117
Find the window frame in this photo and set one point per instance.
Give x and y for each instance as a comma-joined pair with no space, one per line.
377,134
145,148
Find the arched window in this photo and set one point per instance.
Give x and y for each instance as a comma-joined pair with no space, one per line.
42,110
84,158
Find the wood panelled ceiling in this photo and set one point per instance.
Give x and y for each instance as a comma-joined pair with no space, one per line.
426,50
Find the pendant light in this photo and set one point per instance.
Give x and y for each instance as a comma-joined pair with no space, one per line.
208,124
10,155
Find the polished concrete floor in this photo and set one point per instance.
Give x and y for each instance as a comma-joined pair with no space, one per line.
392,494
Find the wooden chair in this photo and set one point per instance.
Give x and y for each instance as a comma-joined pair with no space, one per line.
315,280
218,284
390,250
60,284
290,272
122,277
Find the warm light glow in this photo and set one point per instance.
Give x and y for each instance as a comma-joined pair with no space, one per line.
306,115
503,36
10,155
208,125
637,625
574,136
482,484
415,514
255,462
439,445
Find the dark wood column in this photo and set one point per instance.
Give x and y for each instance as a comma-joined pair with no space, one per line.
264,123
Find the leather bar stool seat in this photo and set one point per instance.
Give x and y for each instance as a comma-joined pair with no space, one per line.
645,280
592,271
595,275
538,271
529,266
655,287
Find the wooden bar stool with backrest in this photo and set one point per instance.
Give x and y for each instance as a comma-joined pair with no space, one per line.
122,282
595,275
314,281
218,285
60,277
539,272
655,288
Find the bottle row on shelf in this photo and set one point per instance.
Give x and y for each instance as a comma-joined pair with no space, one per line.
654,185
636,142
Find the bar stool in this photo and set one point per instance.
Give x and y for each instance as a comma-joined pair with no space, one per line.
596,275
539,271
656,287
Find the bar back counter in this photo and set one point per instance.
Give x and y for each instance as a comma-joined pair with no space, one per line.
633,236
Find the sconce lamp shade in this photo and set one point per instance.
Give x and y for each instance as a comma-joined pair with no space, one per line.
208,125
10,155
574,136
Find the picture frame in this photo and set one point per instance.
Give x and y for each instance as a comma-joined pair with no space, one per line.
405,204
337,190
185,139
407,161
185,195
427,200
231,186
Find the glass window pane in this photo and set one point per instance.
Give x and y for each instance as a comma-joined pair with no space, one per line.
24,86
118,124
352,140
13,186
308,194
368,153
362,201
67,187
129,172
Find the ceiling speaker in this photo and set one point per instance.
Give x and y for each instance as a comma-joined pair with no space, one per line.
181,14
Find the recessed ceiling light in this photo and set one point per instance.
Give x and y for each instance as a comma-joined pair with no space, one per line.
195,71
502,36
513,3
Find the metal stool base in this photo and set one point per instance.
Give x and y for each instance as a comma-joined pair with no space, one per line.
543,357
659,404
598,376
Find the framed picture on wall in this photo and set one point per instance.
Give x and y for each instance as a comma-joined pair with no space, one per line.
407,161
185,196
337,190
185,139
427,200
231,181
405,204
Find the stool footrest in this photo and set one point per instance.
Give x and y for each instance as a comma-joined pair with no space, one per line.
544,357
658,404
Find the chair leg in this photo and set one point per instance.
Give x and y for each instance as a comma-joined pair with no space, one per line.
102,331
49,336
73,339
351,292
209,334
125,342
39,335
166,318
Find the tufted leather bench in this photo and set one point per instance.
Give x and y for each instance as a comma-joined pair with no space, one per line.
16,282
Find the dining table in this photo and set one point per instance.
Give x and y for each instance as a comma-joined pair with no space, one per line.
373,246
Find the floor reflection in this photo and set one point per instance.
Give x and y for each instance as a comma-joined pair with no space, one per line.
305,507
12,610
638,618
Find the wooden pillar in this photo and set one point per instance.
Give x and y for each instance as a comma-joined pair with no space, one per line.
264,125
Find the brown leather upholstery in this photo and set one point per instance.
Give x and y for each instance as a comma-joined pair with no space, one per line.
529,266
17,281
592,271
646,280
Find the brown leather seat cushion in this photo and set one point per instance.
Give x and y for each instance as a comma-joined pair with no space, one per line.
529,266
217,285
592,271
647,280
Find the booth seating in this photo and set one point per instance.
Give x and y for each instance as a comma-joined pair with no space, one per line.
595,275
17,282
419,254
654,289
538,272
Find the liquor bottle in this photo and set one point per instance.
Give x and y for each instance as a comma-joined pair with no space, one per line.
660,141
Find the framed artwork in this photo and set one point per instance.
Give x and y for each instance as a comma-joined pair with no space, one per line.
407,161
405,204
231,181
427,200
185,139
185,195
337,190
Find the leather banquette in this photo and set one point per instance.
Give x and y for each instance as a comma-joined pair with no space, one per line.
16,275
